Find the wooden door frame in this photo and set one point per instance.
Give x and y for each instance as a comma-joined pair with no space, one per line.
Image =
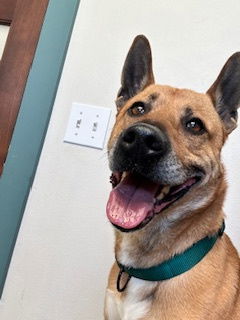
7,11
32,123
15,64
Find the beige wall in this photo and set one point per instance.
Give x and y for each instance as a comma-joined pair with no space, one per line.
65,246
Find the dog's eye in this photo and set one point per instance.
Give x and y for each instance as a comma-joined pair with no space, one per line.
195,126
137,109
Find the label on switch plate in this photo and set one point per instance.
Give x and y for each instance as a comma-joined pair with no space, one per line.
87,125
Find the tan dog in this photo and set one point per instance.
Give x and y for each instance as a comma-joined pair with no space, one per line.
166,204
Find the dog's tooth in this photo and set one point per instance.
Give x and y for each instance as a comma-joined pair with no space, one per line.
124,175
165,190
160,196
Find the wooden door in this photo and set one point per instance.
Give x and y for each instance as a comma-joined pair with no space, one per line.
25,18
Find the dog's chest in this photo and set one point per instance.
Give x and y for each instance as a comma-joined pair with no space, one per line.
134,305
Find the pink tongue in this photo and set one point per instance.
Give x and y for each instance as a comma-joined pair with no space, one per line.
131,201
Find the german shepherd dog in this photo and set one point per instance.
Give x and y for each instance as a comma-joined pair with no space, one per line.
173,259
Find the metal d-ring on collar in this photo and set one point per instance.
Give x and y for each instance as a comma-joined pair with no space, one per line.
121,289
173,267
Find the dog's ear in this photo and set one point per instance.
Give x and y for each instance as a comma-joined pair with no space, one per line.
137,71
225,92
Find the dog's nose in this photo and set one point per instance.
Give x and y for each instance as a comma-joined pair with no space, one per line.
144,140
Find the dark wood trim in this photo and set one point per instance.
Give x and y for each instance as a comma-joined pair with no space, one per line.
15,65
7,11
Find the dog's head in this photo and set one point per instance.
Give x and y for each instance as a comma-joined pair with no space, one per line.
164,150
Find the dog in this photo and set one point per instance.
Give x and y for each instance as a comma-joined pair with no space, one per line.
173,259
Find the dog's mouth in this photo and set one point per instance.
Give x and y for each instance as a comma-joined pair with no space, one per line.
135,200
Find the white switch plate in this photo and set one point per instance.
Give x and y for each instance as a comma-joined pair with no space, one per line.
87,125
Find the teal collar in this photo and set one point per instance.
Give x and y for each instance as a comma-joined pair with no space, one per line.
173,267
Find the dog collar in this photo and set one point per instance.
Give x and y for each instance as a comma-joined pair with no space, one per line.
173,267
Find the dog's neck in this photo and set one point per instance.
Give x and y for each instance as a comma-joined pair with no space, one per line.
159,242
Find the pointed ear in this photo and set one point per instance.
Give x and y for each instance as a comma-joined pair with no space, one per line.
137,70
225,92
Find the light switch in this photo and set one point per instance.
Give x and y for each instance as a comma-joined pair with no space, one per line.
87,125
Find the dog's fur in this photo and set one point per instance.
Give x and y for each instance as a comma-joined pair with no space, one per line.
210,290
